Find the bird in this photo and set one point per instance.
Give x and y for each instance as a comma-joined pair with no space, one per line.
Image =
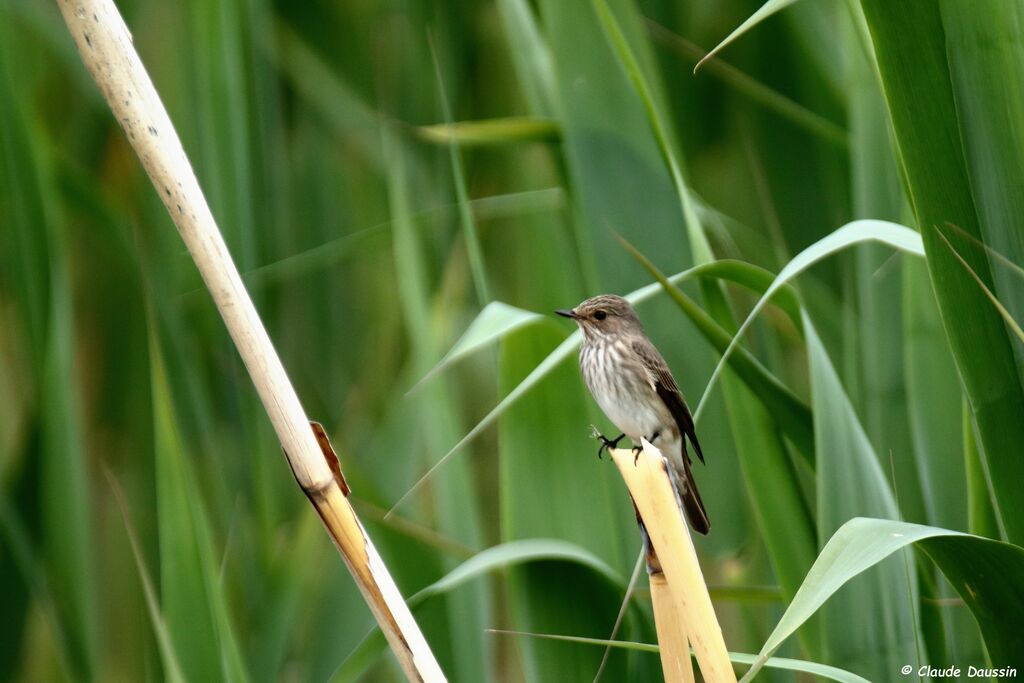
631,382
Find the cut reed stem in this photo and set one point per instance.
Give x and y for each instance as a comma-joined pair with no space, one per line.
686,614
673,641
105,45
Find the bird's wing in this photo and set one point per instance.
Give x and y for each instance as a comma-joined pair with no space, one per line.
666,387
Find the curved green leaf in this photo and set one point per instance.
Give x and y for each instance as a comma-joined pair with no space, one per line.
856,232
989,575
782,663
756,279
519,552
491,324
766,10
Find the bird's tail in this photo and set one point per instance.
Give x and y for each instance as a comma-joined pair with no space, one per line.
689,497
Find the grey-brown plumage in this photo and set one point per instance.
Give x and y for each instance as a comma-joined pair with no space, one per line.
634,387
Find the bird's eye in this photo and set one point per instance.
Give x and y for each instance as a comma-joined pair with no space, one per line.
600,315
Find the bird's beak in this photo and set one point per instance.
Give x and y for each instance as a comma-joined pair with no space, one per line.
566,313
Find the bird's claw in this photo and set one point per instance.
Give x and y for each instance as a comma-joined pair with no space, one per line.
606,443
638,449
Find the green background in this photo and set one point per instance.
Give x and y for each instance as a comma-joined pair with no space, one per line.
149,525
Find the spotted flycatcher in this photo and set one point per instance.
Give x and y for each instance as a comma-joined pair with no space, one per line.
634,387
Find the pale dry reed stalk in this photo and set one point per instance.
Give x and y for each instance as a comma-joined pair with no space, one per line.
107,50
683,614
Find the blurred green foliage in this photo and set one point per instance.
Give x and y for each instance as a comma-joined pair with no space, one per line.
382,170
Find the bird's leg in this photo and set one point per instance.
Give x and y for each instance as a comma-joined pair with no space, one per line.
637,449
606,443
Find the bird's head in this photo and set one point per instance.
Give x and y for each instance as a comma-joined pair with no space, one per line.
606,315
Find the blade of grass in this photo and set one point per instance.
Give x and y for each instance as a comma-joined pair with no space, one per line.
43,288
469,229
66,505
193,600
491,132
221,123
30,567
17,566
626,600
415,531
338,250
870,627
25,240
530,54
981,510
614,165
172,669
435,419
1003,312
766,10
996,256
750,87
934,398
282,613
629,60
